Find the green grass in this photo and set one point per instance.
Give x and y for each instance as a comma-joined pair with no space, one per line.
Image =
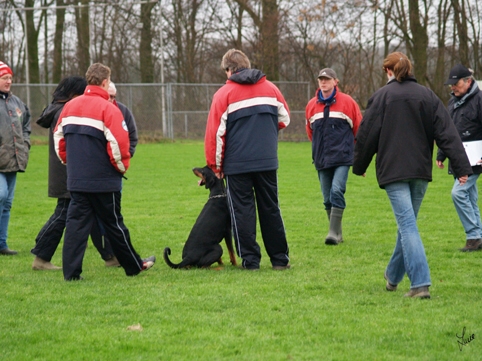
331,305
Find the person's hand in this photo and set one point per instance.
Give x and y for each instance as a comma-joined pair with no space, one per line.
219,175
463,179
479,162
440,164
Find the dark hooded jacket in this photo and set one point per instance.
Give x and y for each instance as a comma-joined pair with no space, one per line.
57,171
400,125
243,123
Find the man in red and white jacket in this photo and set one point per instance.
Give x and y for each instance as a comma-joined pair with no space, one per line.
91,138
241,144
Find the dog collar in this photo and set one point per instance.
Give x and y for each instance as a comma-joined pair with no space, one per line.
218,196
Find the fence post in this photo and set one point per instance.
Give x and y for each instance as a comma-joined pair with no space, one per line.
170,126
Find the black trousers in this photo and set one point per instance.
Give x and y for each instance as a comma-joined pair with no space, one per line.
100,241
249,191
83,210
50,235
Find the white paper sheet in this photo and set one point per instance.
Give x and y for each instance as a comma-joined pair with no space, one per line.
474,151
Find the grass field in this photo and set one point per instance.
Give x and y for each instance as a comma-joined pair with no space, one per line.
331,305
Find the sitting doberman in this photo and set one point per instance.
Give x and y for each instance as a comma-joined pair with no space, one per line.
202,247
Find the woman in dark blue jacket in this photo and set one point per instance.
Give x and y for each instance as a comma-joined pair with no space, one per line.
400,125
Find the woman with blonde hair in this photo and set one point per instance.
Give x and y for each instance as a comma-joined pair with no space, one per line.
402,121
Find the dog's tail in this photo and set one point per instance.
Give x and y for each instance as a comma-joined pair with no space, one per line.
167,252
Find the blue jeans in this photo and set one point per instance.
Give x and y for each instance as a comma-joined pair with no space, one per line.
333,186
465,199
7,189
409,254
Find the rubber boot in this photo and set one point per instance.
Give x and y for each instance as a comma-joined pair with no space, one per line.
335,235
328,213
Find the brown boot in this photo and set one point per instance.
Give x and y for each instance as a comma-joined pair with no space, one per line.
419,292
113,262
40,265
472,245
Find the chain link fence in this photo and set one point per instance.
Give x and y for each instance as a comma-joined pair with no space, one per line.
182,114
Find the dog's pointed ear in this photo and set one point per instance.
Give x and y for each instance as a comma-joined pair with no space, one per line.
209,177
199,172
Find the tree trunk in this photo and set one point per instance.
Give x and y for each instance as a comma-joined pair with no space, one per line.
32,36
58,36
145,47
82,22
419,42
270,39
460,20
440,75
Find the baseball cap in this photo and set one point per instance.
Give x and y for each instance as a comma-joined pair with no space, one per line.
327,73
456,73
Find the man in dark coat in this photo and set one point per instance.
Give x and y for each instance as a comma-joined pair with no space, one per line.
465,108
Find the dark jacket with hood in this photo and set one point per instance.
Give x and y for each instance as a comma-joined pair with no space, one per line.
400,125
243,123
131,125
92,139
466,113
57,170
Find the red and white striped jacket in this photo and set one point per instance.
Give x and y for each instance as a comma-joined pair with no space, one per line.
92,139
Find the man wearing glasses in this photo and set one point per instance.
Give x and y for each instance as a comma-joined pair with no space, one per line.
465,108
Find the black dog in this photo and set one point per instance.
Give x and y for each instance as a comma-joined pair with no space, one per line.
202,247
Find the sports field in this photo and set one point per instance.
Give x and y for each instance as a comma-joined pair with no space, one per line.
331,305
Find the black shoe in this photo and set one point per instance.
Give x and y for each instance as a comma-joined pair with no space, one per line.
75,278
8,252
241,267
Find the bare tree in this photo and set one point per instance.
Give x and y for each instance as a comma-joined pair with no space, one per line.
267,24
58,35
437,85
190,25
419,41
145,47
32,32
82,21
460,21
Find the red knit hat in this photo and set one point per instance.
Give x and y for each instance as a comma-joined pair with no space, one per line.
5,69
